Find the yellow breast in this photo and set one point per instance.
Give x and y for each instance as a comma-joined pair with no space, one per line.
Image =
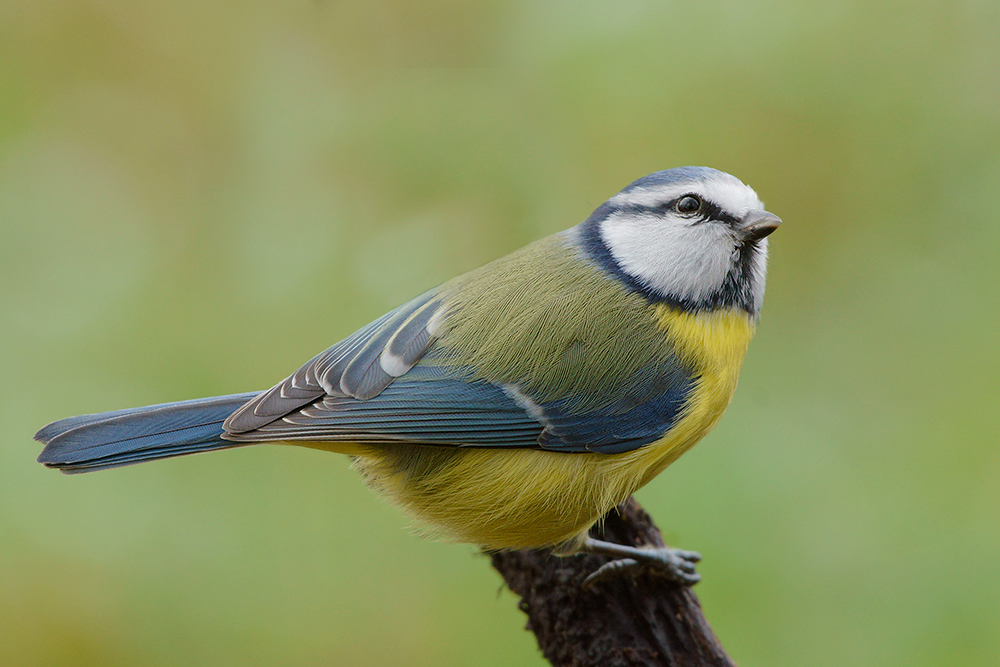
713,343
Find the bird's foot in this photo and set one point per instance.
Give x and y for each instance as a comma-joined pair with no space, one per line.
676,565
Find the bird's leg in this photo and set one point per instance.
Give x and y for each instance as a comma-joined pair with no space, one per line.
676,565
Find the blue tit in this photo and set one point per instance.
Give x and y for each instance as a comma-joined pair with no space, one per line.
514,405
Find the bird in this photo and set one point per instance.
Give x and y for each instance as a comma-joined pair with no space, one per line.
515,405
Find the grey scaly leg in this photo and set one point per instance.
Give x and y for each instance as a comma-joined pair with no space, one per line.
674,564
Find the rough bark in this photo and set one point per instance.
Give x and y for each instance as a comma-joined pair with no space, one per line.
645,620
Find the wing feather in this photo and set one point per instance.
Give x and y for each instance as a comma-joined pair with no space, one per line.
443,412
351,368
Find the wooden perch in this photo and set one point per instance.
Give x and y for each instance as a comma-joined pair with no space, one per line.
644,620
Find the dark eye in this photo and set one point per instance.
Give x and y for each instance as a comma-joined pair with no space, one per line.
688,204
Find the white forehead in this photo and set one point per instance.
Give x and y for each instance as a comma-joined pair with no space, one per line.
724,190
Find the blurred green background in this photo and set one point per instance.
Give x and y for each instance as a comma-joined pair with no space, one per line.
196,197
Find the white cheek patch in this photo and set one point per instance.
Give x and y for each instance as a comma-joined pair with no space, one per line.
671,256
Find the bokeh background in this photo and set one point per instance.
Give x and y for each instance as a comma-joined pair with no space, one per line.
196,197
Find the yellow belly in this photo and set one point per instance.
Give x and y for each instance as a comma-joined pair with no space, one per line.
518,498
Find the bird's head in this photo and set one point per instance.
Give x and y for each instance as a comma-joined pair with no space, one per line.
693,237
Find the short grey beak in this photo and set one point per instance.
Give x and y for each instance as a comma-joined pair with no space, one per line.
758,224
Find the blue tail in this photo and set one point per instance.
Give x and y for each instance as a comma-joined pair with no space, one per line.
123,437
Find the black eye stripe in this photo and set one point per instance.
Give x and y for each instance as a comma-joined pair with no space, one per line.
709,210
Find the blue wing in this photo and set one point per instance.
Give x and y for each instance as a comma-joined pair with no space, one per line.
644,409
443,411
431,405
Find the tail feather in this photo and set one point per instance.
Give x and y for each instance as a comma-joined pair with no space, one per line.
123,437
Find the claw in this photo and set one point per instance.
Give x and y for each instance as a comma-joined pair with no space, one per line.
677,565
612,570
